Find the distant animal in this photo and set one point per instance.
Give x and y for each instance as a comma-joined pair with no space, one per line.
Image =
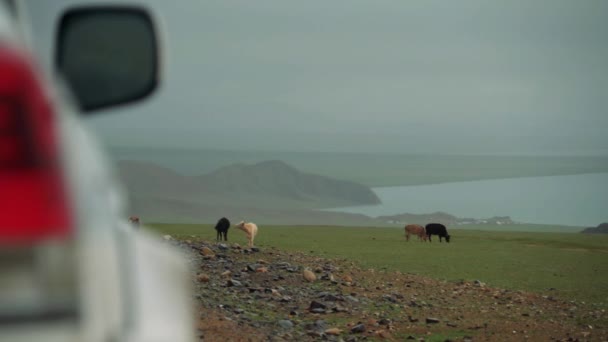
221,228
134,221
437,229
415,229
250,228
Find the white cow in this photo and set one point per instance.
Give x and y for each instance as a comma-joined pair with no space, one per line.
250,228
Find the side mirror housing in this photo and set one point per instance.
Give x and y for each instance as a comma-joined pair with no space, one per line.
108,55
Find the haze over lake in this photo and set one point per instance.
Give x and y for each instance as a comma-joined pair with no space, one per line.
578,200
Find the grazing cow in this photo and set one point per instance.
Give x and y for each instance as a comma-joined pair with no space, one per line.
222,229
415,229
250,228
437,229
134,221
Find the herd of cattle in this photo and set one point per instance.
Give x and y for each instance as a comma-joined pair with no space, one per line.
251,230
424,233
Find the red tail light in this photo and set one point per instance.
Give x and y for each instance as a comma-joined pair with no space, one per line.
33,201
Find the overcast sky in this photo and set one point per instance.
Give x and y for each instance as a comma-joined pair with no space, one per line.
375,76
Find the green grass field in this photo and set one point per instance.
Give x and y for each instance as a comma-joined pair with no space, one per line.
575,265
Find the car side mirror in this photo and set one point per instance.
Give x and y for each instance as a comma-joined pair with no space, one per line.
108,55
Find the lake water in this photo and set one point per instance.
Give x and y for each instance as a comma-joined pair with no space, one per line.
579,200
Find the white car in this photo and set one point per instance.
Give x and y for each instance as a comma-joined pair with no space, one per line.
71,266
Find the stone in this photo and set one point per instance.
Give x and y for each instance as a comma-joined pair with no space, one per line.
320,324
431,320
314,334
331,298
352,299
384,321
333,331
285,324
479,283
359,328
317,305
206,251
203,277
309,276
222,246
340,308
390,298
382,334
253,267
262,270
167,237
233,282
226,273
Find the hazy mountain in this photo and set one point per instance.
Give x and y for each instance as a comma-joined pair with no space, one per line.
268,184
149,178
372,169
600,229
276,179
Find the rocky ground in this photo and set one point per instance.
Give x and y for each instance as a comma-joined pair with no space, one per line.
275,295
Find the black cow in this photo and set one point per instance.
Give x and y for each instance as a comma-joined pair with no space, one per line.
222,229
437,229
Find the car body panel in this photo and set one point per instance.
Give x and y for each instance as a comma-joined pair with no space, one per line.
132,286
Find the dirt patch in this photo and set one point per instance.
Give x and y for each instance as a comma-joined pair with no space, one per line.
214,325
262,295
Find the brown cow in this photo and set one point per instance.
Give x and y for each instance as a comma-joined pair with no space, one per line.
134,221
415,229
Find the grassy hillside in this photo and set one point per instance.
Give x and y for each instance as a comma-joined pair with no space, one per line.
375,169
565,265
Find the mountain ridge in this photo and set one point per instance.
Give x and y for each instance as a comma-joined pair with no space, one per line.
266,184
